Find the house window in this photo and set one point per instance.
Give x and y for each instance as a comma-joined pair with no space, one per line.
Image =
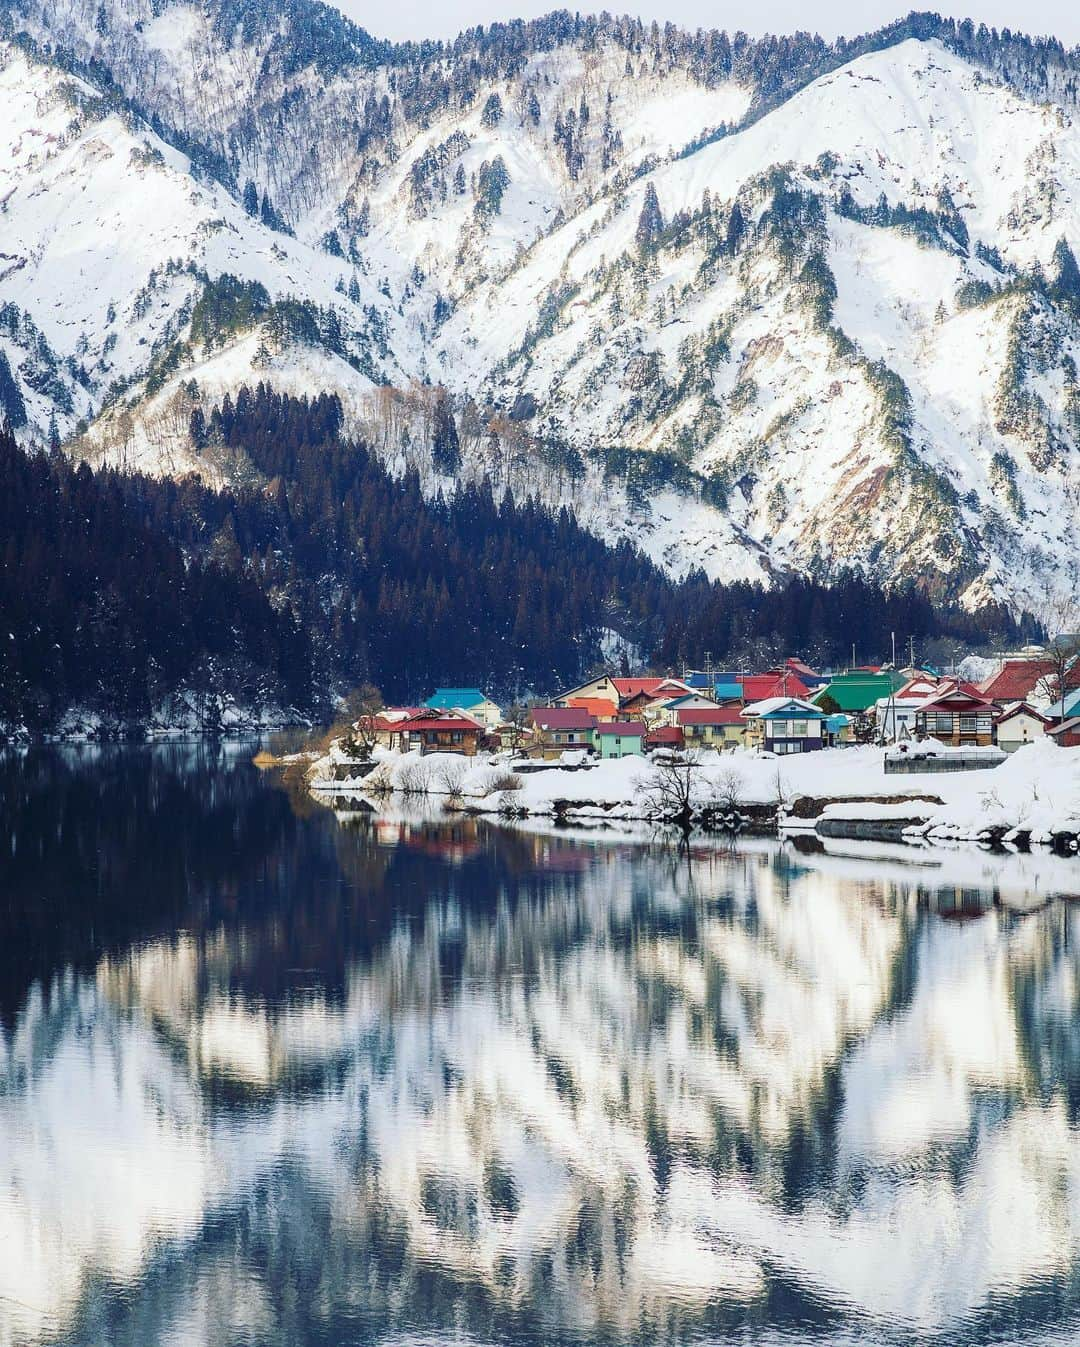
969,724
457,737
799,729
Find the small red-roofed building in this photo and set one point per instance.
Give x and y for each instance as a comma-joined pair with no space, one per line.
558,728
664,736
719,727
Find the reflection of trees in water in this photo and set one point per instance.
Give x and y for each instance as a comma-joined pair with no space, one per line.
518,1085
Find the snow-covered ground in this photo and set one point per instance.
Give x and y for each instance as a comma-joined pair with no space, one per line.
1034,794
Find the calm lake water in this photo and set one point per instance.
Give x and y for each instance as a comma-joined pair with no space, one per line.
271,1074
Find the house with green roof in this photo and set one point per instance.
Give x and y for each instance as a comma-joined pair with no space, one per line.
470,702
856,691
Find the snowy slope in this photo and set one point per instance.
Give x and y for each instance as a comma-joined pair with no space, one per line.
848,338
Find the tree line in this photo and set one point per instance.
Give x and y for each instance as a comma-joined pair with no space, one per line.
327,572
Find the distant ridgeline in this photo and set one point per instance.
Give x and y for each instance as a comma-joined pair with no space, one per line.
323,572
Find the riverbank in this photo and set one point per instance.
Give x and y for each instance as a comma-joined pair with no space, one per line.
1032,797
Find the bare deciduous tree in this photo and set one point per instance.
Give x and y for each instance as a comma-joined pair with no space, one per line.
669,791
1061,651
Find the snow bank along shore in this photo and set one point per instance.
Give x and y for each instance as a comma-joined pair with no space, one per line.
1034,796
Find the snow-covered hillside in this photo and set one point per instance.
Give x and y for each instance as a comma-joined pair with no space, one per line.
756,308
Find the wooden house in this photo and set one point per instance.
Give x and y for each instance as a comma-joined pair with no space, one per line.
958,714
431,731
1067,734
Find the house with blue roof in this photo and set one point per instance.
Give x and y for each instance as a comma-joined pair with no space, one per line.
1065,707
471,702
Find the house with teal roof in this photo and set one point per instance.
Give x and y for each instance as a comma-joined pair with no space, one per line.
856,691
471,702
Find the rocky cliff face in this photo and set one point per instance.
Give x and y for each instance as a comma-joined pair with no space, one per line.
759,307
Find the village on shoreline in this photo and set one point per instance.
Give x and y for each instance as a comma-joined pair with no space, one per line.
902,754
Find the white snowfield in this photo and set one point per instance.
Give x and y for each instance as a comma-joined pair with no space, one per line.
1034,794
724,361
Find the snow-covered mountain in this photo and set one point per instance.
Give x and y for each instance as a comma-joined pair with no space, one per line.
760,306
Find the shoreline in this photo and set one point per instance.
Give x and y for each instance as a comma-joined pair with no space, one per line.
1032,798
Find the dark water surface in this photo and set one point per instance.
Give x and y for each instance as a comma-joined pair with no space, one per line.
274,1075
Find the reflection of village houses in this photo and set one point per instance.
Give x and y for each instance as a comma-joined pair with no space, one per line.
554,1093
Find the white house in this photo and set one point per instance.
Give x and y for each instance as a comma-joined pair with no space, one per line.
895,716
1020,724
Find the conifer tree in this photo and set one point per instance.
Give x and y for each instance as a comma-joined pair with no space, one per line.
12,406
445,448
650,222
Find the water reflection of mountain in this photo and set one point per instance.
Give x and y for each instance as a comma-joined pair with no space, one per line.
392,1078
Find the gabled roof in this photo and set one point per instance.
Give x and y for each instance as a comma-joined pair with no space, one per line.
954,692
1065,706
1066,727
859,689
709,715
665,734
447,699
596,706
773,706
1016,679
650,687
676,702
1021,709
913,690
728,692
759,687
800,667
391,717
427,719
624,729
562,718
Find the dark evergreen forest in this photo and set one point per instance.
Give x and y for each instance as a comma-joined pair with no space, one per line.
117,589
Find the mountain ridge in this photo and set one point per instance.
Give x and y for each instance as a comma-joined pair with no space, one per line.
844,332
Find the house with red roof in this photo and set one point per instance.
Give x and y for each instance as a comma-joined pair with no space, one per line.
777,683
635,694
1067,734
602,708
427,730
957,713
720,727
558,728
664,736
1019,680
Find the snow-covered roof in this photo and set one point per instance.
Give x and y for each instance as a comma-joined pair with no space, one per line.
772,706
